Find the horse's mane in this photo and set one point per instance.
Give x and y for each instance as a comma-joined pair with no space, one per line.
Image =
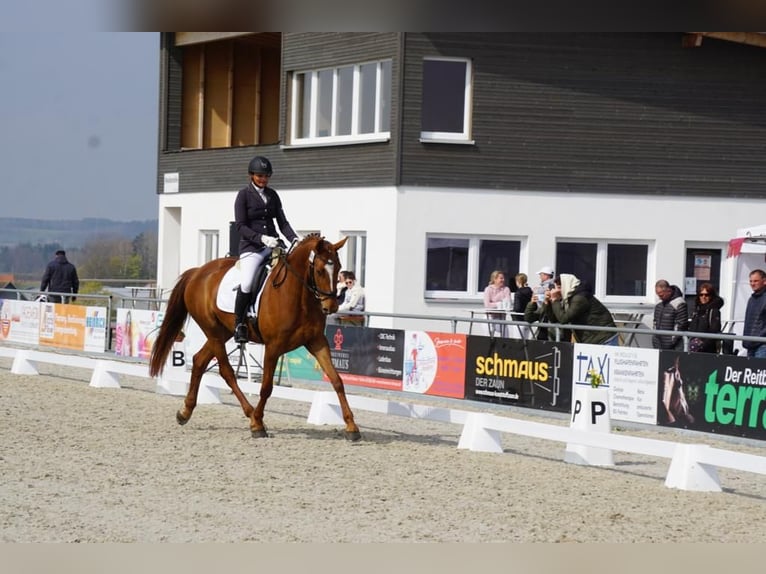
307,239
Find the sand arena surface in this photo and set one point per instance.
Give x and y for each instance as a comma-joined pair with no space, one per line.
112,465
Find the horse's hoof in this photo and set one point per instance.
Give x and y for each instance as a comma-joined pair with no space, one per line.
353,436
180,419
259,433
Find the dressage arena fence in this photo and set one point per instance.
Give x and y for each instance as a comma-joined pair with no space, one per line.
588,441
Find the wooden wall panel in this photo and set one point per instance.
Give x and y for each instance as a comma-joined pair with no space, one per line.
597,113
218,94
247,83
193,84
271,70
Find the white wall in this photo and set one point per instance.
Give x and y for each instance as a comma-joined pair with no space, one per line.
396,222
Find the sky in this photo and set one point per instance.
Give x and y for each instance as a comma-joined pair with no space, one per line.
78,123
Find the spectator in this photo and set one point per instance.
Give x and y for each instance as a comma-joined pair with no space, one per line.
670,314
496,291
572,302
706,318
755,315
60,277
496,296
538,312
354,301
521,299
523,293
546,282
341,288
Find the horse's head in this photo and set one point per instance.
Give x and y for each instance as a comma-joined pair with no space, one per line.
324,266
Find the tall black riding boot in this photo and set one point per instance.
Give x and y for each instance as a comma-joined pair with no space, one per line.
240,310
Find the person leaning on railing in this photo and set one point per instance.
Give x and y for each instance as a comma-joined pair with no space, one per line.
572,302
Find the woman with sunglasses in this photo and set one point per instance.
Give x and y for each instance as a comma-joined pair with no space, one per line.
706,318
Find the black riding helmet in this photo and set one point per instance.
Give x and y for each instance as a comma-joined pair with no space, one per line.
259,165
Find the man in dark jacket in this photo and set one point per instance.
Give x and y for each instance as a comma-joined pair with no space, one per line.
755,315
670,314
60,277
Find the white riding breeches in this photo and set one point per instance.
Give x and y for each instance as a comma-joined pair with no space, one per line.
249,263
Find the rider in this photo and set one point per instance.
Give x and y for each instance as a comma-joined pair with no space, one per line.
255,209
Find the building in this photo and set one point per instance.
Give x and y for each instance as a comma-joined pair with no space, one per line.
623,158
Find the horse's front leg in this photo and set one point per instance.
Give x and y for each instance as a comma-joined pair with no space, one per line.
321,350
227,373
199,363
257,427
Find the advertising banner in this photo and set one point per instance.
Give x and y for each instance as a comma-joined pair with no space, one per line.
434,363
367,357
630,374
136,331
526,373
63,326
95,329
300,364
722,394
20,321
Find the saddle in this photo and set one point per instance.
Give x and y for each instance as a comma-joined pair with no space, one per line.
227,288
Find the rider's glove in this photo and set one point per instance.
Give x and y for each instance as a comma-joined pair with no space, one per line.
269,241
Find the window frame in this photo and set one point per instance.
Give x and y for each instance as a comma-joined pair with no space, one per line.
475,284
601,266
209,245
297,106
355,255
454,137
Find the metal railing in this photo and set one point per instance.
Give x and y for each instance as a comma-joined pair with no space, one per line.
453,320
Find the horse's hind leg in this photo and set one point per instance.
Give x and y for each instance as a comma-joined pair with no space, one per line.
200,362
321,351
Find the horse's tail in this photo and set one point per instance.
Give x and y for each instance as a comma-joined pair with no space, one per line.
172,323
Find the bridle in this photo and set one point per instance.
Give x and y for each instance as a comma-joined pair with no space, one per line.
311,284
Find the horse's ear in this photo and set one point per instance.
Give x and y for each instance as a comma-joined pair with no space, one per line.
340,243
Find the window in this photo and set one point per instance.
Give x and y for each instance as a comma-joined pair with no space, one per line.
355,255
446,104
459,267
208,245
615,270
342,105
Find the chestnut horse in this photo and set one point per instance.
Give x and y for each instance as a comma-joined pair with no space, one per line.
299,293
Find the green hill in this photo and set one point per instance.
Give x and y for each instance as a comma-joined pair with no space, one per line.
68,233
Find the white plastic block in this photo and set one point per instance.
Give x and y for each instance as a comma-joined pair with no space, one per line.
478,436
102,377
590,412
23,365
687,473
325,409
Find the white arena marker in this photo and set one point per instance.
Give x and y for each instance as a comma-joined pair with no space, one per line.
590,412
23,365
687,473
102,377
477,436
325,409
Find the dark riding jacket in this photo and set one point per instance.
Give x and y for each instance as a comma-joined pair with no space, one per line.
755,319
671,315
255,218
60,276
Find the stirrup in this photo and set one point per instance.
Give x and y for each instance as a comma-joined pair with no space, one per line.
240,333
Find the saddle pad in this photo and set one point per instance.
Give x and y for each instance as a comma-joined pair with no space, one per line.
227,291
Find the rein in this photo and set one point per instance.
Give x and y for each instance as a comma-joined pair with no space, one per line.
311,285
